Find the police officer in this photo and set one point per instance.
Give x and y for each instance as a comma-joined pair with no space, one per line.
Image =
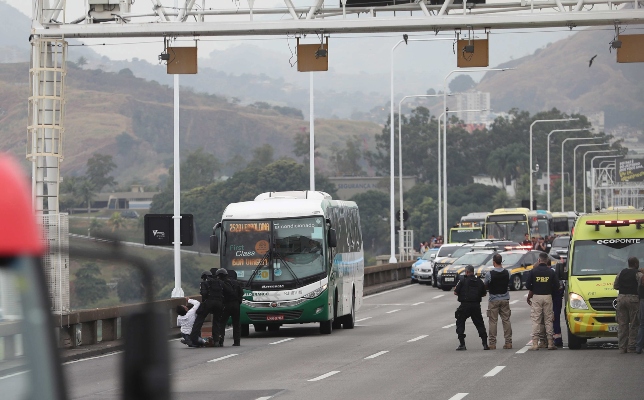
627,282
212,297
233,295
497,282
470,290
542,282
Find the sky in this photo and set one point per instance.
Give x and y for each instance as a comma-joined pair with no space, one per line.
351,53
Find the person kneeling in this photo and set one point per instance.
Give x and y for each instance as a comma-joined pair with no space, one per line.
185,319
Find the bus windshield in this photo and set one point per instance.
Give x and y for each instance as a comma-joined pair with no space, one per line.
463,235
543,228
295,248
560,224
605,256
514,231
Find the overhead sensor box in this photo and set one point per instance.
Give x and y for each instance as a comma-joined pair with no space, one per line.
631,49
440,2
376,3
108,10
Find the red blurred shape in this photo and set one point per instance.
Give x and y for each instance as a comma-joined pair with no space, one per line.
19,232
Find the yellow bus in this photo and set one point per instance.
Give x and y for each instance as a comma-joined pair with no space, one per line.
514,223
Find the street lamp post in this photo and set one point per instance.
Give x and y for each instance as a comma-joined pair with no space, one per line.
440,202
584,168
563,144
400,174
531,125
548,157
392,257
445,133
574,171
592,162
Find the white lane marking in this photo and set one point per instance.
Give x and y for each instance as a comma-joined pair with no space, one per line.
319,378
494,371
458,396
395,304
378,354
12,375
417,338
283,340
223,358
514,301
525,295
363,319
523,350
420,302
264,398
387,291
438,297
93,358
392,311
449,326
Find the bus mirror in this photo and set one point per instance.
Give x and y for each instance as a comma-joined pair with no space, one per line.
560,268
214,244
333,241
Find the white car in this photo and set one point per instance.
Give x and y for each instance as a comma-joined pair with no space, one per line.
422,266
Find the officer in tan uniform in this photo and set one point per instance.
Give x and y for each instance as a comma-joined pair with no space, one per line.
542,283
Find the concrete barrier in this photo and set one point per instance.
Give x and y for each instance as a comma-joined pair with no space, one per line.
87,327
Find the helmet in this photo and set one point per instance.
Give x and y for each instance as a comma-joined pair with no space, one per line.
206,274
221,272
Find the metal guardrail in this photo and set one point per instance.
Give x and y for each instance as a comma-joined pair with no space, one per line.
86,327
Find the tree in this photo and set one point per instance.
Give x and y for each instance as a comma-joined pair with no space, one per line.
125,143
81,61
301,147
94,225
89,287
262,156
461,83
199,169
99,167
374,217
116,221
347,161
86,191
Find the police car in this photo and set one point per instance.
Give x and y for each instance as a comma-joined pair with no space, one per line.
517,260
450,275
421,270
447,254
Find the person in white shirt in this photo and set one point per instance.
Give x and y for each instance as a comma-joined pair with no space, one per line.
185,319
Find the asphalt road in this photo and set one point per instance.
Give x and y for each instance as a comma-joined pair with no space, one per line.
403,347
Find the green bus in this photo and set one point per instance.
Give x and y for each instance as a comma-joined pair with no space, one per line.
299,255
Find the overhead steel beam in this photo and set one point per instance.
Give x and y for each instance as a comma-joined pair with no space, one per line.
344,26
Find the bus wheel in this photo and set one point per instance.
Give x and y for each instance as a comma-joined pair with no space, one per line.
273,327
516,283
260,328
326,327
349,321
245,330
574,341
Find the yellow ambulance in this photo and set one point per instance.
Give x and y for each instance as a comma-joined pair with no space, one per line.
600,246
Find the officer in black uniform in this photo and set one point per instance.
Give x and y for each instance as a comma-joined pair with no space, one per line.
470,290
212,296
233,295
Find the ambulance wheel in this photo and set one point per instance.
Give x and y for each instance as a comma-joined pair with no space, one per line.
245,330
516,283
575,342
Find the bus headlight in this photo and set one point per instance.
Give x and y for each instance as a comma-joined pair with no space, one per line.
577,302
316,292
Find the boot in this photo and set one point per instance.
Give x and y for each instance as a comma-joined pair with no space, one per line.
492,347
462,344
551,344
485,346
543,344
507,346
535,345
236,344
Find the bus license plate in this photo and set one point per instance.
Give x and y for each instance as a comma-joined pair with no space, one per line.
274,317
612,328
449,279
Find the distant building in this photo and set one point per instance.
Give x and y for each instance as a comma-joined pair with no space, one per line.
473,100
510,187
349,186
136,198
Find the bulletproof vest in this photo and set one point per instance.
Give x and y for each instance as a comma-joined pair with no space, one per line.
499,281
215,290
628,281
230,292
470,291
542,280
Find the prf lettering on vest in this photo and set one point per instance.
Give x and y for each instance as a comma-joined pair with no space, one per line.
542,278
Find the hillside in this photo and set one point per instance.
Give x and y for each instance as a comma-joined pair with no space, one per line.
559,76
102,106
